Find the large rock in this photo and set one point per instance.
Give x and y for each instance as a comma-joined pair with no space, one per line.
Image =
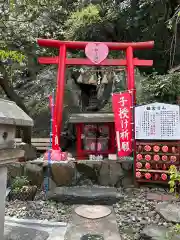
88,171
30,151
34,174
170,212
85,195
63,173
154,232
110,173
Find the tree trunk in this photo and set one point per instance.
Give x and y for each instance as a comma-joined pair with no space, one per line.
11,94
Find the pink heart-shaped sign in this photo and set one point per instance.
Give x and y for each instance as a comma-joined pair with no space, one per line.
96,52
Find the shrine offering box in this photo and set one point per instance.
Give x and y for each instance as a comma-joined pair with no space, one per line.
157,133
95,134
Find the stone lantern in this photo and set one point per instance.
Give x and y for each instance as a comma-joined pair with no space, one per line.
11,116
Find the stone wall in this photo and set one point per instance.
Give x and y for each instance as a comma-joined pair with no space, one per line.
105,173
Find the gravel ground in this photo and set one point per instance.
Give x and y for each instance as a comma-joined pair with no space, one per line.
133,214
136,212
38,209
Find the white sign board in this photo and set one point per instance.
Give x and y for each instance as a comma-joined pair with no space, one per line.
157,121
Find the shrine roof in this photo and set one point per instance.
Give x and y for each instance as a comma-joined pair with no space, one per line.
11,114
91,118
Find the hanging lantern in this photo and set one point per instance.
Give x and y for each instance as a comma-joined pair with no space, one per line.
165,149
147,157
138,175
139,165
80,79
164,158
164,176
173,158
147,176
147,165
147,148
139,157
156,148
105,79
156,158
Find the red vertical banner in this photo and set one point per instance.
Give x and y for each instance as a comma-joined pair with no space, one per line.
122,107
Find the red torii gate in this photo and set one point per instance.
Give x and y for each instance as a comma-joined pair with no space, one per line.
62,61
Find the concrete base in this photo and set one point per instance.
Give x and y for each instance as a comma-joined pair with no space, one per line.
25,229
79,226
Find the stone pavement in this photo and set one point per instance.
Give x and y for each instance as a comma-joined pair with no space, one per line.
105,227
25,229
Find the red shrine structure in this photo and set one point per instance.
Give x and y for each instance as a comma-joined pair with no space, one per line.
95,134
97,54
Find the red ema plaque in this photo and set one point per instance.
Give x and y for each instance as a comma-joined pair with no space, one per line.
96,52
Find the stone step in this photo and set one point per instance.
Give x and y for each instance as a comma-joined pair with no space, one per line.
81,228
85,195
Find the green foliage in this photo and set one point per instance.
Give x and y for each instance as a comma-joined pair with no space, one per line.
13,55
80,20
174,178
171,234
19,182
173,183
160,88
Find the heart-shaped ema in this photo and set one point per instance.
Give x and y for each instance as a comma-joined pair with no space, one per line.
96,52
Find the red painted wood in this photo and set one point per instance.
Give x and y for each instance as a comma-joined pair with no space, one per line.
84,61
96,52
130,68
82,45
87,62
107,62
141,62
78,141
60,88
48,60
82,153
131,87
